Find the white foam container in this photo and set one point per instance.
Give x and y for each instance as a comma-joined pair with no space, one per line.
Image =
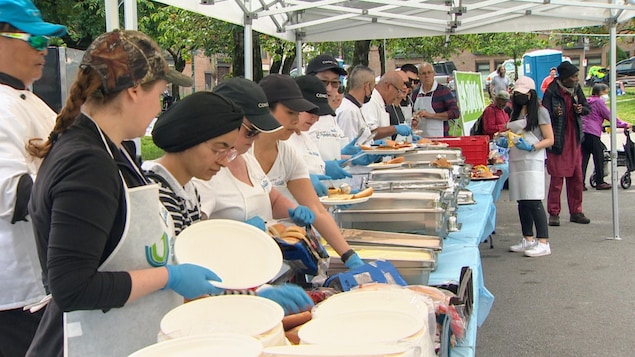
222,344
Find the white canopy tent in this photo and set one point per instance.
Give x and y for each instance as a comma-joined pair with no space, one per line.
347,20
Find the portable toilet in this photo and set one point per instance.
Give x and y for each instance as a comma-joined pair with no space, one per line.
536,65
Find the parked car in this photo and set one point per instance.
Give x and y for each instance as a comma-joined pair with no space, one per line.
625,71
443,71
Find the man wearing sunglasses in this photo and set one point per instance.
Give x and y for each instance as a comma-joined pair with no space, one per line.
23,41
400,110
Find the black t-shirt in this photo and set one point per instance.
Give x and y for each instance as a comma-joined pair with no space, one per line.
78,211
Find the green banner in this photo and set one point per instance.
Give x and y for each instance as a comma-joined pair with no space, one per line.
469,96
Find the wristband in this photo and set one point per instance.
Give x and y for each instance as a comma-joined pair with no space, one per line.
349,253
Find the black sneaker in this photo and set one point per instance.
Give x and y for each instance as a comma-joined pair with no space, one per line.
554,220
579,218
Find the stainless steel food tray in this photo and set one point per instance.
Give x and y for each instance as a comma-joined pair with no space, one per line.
431,221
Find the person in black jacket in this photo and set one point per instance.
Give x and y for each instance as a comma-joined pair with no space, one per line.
566,104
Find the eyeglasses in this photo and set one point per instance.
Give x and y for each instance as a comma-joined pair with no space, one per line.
399,91
334,84
39,43
227,154
250,132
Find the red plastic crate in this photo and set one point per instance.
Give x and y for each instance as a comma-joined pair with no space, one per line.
475,148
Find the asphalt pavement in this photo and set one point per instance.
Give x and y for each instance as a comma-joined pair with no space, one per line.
580,300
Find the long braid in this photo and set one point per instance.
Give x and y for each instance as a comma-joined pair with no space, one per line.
86,85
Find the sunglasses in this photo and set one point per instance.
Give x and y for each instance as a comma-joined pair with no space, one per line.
334,84
250,132
413,81
39,43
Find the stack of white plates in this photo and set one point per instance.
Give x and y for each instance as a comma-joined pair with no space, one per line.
245,314
223,344
371,316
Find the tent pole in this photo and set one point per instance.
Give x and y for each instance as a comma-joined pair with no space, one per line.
298,54
249,52
112,15
130,16
614,174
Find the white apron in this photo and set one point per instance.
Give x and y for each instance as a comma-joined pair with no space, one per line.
146,242
429,127
526,169
407,114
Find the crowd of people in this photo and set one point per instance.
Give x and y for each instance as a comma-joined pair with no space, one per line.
79,213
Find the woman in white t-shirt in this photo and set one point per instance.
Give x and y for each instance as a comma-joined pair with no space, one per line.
286,169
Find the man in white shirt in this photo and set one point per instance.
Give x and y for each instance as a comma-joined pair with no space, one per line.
389,87
326,134
23,116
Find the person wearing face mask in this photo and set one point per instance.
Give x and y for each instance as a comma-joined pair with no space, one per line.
592,127
495,116
566,104
527,166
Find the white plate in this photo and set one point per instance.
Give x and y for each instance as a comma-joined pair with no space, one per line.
366,350
360,300
240,254
333,202
380,165
361,327
245,314
388,151
211,345
433,146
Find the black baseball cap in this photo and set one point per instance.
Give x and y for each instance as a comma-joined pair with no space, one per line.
282,88
314,91
323,63
252,99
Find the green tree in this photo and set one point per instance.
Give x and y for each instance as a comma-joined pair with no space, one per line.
513,45
427,48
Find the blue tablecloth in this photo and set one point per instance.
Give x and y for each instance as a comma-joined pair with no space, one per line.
477,221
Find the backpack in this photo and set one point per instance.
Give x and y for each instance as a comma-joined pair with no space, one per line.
477,128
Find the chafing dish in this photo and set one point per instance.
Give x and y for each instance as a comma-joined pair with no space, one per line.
411,179
413,263
407,212
366,237
423,156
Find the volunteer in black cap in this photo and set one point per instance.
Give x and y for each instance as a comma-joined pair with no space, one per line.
314,91
102,236
285,168
566,104
325,133
199,134
251,197
24,37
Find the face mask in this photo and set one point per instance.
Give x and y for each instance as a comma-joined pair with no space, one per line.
521,99
605,97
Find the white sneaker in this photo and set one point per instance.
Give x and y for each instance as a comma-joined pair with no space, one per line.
523,245
539,250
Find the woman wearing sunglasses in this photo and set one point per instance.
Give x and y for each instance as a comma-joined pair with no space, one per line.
285,168
23,115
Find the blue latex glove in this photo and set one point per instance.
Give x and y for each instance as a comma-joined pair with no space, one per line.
523,145
191,281
366,159
318,186
379,142
415,138
403,130
301,215
291,297
354,261
335,171
351,148
502,142
257,222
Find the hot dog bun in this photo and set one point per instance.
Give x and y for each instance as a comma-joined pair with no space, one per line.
397,160
365,193
296,229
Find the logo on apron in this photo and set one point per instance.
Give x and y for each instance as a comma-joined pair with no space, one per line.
152,253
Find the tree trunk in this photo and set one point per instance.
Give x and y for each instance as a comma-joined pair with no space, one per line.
279,54
179,66
382,58
257,56
289,61
360,56
238,58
